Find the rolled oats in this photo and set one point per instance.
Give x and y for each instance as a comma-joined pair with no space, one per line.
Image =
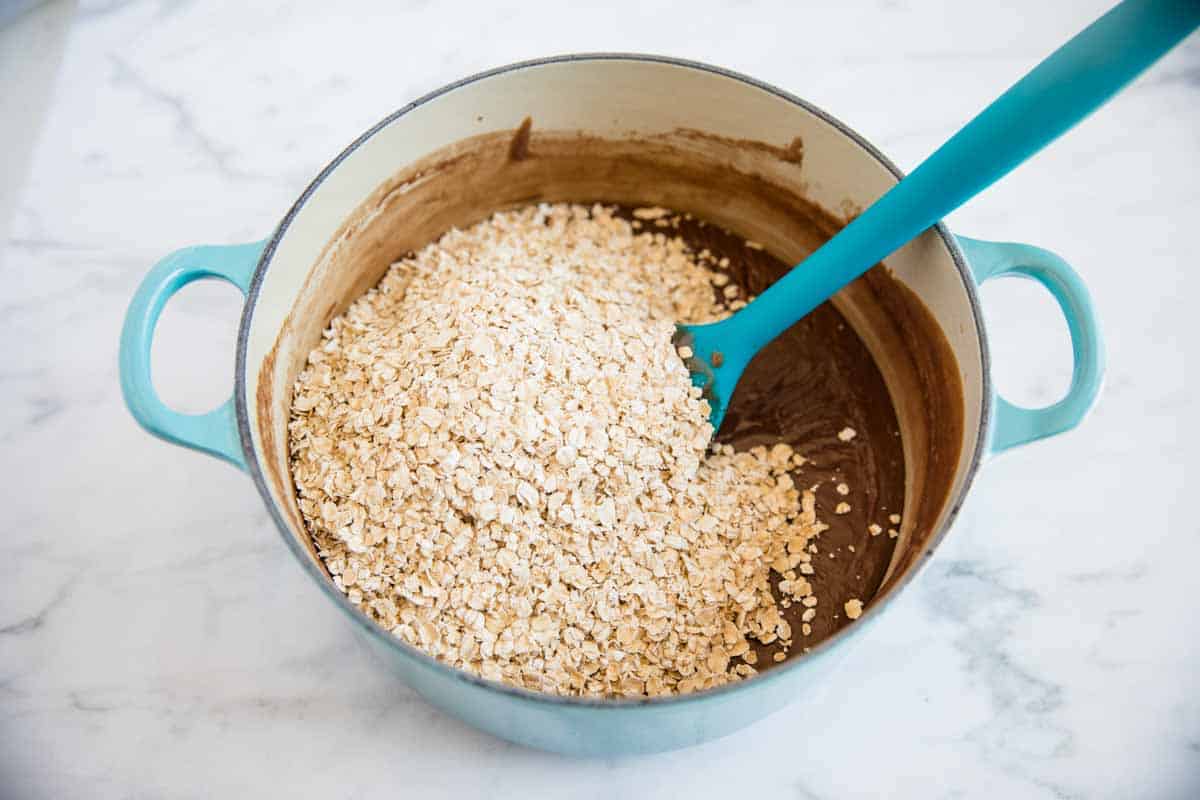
502,461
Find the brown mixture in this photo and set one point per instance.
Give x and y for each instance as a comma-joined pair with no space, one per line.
502,461
817,388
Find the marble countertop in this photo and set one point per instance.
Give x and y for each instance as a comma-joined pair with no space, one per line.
157,641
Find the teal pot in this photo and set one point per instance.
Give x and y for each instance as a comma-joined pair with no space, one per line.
621,128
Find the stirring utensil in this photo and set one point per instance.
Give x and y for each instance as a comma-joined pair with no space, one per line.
1074,81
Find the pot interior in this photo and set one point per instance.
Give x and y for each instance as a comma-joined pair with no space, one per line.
638,132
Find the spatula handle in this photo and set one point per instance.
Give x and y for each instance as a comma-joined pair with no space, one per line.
1074,81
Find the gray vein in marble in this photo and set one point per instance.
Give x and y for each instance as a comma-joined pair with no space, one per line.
218,155
801,791
975,596
44,408
1123,573
34,622
29,410
79,703
1188,78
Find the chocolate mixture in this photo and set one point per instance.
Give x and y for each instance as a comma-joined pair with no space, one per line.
814,381
804,388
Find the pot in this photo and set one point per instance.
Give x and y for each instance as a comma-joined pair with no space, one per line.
634,129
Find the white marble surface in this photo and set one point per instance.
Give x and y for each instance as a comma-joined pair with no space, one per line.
156,640
32,38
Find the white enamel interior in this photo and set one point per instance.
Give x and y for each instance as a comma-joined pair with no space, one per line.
612,97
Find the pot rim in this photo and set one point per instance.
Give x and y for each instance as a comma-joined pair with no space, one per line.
873,611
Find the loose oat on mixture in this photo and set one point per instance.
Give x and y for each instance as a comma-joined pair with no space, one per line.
503,462
853,608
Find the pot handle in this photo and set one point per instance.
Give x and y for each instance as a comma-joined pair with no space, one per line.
216,432
1013,425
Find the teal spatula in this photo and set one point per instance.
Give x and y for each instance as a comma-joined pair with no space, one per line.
1074,81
